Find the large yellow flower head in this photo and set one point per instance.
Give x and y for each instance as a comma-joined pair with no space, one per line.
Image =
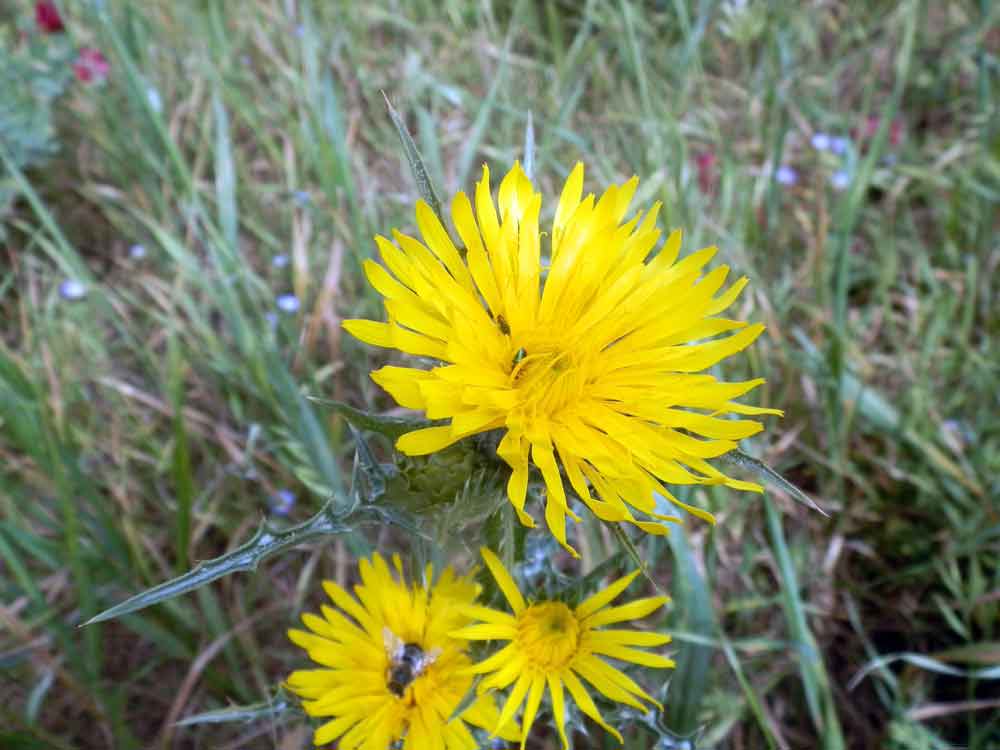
552,645
588,353
389,668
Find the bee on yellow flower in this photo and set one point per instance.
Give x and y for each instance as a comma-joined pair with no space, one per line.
388,668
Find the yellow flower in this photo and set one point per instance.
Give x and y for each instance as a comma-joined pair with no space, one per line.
552,645
389,668
590,356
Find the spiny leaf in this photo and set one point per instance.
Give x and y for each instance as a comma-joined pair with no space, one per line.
275,708
812,670
390,427
424,185
366,467
632,552
765,472
693,604
923,662
265,542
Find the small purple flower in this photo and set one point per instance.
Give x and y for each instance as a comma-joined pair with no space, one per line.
840,179
282,502
288,303
72,290
137,252
272,319
302,197
279,261
785,175
300,30
821,141
958,432
839,145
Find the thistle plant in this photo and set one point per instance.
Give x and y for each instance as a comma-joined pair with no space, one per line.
563,371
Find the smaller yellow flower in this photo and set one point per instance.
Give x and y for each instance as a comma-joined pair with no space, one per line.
390,670
552,645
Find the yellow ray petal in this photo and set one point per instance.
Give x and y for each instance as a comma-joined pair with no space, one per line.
427,440
568,201
440,244
486,632
629,637
484,714
634,610
479,264
589,670
586,703
392,336
504,581
605,596
531,707
702,356
503,657
558,707
514,450
502,678
514,701
635,656
333,729
348,604
750,410
478,612
403,384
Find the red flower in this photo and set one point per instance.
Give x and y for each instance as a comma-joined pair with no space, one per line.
871,125
47,17
91,66
896,132
705,162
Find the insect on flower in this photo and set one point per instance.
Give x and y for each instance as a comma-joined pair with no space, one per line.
388,673
407,661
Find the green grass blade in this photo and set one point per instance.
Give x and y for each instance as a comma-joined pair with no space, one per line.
225,175
815,682
183,479
482,123
750,694
692,603
62,252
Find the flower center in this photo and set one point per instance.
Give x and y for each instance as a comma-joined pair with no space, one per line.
548,634
547,381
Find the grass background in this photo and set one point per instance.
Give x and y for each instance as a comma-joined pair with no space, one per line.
147,426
